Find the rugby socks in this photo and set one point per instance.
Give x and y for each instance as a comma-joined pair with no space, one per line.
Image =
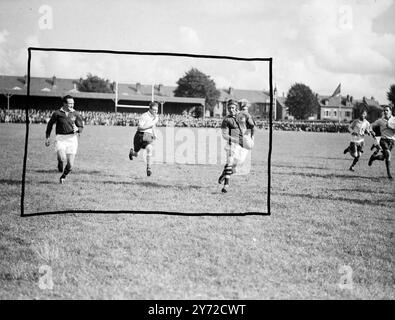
67,170
60,165
227,173
222,176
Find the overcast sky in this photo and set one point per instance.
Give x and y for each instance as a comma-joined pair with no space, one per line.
316,42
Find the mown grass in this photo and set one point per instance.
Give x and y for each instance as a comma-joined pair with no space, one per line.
323,217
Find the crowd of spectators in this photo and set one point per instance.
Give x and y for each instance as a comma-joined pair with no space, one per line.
166,120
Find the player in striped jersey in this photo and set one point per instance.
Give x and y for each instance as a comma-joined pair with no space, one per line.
358,128
387,141
233,129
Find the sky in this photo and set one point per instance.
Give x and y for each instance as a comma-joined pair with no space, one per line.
316,42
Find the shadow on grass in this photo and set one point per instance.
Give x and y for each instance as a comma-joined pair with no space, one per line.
380,203
151,184
9,181
56,171
297,167
327,176
327,158
368,191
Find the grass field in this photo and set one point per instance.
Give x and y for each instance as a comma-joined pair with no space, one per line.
325,219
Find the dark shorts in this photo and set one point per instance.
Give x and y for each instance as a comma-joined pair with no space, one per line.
386,144
356,146
142,140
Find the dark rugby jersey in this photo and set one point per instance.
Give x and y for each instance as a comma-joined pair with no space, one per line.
64,124
232,127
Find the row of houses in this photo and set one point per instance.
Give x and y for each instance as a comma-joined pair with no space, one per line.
45,93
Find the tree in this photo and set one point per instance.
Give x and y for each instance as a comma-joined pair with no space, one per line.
198,85
391,94
95,84
301,101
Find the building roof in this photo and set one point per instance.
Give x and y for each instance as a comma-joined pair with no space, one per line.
281,101
253,96
56,87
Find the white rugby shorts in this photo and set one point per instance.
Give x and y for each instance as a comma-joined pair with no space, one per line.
67,143
237,156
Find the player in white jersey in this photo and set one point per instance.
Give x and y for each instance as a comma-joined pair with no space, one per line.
145,135
387,141
358,128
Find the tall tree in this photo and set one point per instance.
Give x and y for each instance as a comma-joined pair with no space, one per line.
301,101
94,83
199,85
391,94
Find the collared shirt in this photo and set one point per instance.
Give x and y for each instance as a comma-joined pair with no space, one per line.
386,132
232,127
64,122
147,119
360,127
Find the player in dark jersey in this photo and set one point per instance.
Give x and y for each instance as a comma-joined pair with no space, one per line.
233,128
69,125
387,140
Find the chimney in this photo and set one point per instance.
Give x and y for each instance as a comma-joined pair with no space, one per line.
138,87
231,91
75,87
25,80
160,88
53,82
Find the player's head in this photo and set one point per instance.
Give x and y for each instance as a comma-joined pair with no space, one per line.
232,107
153,107
68,101
363,114
244,104
387,112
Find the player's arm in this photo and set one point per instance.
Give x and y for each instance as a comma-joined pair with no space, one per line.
369,131
251,124
50,124
351,128
79,124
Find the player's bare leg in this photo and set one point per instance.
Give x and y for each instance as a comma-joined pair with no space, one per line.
387,155
149,149
354,152
346,150
375,157
61,160
68,168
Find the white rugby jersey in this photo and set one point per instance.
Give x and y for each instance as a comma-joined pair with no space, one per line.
359,127
386,132
147,119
